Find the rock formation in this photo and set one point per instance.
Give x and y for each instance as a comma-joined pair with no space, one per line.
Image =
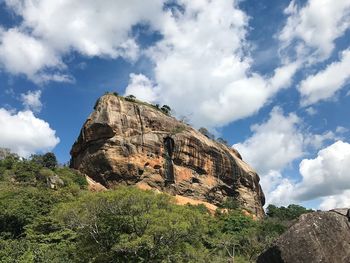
322,237
135,143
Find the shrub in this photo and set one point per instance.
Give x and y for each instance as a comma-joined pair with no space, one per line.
131,98
286,213
146,227
166,109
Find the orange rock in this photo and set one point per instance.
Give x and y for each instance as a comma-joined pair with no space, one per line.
134,143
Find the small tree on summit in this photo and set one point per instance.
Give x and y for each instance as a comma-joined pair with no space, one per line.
166,109
206,133
130,98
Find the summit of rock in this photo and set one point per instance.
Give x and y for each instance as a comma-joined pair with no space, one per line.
134,143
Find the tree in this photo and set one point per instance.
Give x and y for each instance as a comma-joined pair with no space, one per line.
130,97
206,133
223,141
49,160
286,213
131,225
166,109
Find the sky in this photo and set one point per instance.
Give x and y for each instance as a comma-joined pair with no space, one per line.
271,77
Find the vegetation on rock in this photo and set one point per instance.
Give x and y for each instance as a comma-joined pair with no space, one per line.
71,224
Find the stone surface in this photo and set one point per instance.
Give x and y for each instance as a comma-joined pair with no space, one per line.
322,237
134,143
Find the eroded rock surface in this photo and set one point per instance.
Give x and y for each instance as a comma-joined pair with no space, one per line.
322,237
133,143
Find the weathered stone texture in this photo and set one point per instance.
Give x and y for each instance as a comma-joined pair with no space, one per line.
322,237
133,143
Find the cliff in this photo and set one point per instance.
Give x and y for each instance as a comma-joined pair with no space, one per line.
134,143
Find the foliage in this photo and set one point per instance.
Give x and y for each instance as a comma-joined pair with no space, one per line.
222,141
286,213
70,224
178,129
166,109
146,227
206,133
47,160
131,98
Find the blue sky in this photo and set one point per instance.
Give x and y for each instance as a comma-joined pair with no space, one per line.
271,77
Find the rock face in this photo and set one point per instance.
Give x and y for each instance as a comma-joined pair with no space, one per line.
134,143
322,237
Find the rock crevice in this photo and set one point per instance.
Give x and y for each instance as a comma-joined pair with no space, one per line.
133,143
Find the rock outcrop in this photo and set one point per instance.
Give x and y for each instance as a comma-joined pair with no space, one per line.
135,143
322,237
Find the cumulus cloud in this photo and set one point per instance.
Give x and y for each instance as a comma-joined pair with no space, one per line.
327,174
25,134
325,177
274,145
336,201
324,84
309,37
21,53
31,100
141,87
279,137
56,28
314,27
202,68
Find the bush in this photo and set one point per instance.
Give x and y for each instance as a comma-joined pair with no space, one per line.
131,98
166,109
72,177
49,160
206,133
146,227
286,213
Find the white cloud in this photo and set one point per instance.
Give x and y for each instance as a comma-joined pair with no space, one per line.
31,100
274,143
316,26
91,28
341,129
201,63
273,146
311,111
141,87
327,174
201,67
316,141
326,83
336,201
25,134
23,54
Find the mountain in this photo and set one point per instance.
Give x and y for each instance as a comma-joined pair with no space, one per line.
128,142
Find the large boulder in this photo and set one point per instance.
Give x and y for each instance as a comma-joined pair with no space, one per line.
322,237
135,143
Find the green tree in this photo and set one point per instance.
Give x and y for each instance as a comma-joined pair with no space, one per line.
206,133
131,98
286,213
49,160
146,227
166,109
